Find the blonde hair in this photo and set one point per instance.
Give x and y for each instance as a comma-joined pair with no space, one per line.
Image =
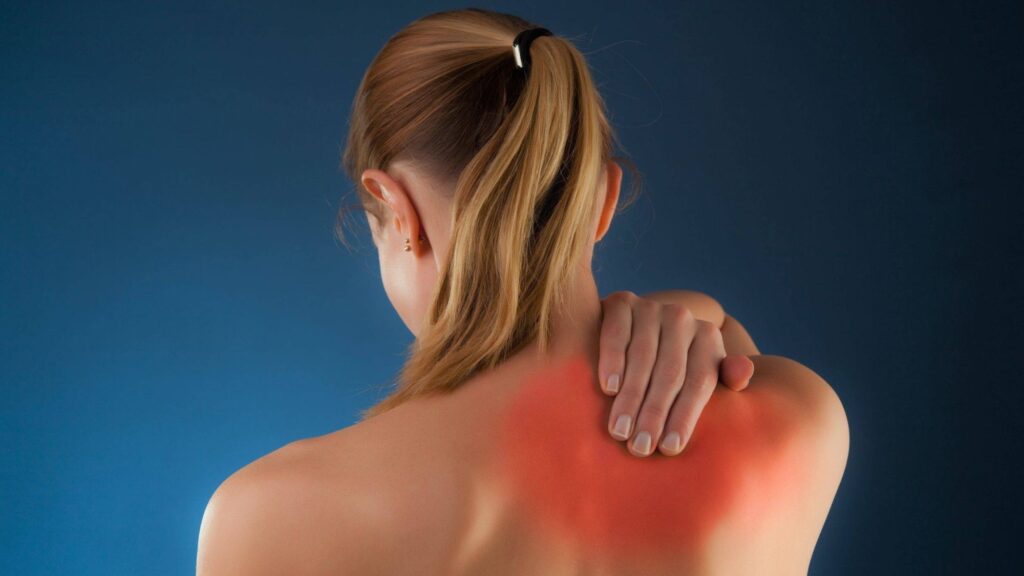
526,151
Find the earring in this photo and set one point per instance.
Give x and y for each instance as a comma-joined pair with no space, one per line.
408,246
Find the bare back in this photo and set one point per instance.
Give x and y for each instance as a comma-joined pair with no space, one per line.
514,473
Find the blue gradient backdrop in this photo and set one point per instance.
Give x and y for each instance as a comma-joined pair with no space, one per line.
843,176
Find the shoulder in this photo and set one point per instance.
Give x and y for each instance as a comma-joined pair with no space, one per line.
818,431
776,452
806,410
821,411
293,510
788,424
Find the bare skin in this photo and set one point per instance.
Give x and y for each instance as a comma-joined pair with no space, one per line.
514,472
438,486
670,348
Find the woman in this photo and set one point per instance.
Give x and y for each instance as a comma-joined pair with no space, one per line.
488,175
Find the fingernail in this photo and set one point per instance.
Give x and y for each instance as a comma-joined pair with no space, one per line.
621,430
642,443
613,383
671,442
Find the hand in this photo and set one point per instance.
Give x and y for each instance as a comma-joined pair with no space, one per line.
661,364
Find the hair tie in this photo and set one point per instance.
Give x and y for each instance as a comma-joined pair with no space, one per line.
521,46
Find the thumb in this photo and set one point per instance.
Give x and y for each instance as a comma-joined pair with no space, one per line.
736,371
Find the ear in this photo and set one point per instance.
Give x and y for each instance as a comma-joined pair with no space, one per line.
400,214
613,182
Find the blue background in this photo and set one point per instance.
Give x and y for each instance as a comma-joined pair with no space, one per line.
844,177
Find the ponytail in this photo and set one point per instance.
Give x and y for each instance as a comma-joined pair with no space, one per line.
524,200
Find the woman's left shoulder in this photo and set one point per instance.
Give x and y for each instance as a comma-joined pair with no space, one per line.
294,507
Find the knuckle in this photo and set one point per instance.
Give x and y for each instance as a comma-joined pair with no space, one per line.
672,368
675,312
708,330
688,315
703,379
641,349
622,297
616,332
617,298
646,306
705,327
654,412
670,309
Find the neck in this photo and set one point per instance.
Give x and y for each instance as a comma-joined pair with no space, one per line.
575,327
575,336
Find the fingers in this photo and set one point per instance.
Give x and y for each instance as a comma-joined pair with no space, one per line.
678,328
640,355
736,371
661,365
616,327
706,354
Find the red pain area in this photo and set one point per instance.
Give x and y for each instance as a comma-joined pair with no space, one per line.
740,467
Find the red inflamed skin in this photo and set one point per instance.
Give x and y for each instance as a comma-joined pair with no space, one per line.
740,467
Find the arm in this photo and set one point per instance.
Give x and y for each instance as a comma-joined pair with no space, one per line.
819,440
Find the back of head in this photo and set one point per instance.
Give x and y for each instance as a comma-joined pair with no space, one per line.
525,147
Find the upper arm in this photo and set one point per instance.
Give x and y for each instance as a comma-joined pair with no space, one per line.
831,433
822,442
278,516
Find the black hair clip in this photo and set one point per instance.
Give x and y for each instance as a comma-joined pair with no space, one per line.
521,46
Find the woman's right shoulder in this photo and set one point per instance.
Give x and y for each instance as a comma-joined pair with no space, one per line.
797,378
